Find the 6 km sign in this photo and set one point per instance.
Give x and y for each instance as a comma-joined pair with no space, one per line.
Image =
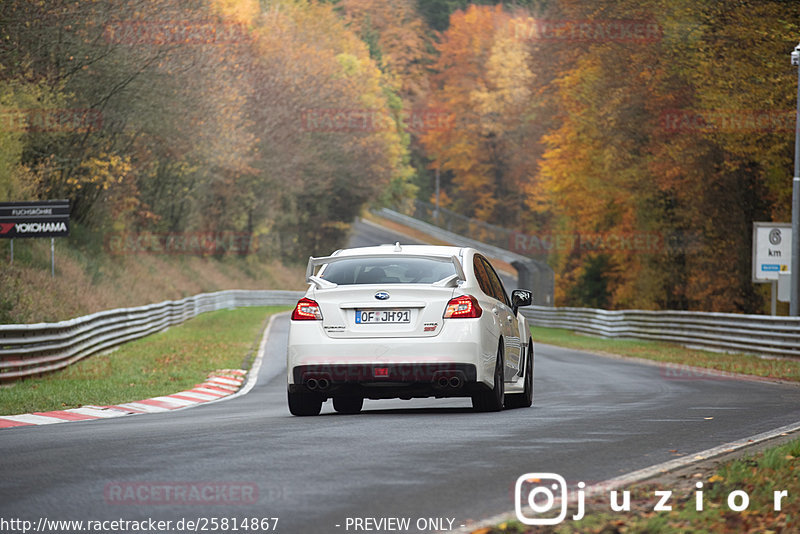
49,218
772,250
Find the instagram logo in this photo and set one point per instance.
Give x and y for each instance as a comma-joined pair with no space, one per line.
536,489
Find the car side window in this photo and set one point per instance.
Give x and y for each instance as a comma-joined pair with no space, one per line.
484,281
497,284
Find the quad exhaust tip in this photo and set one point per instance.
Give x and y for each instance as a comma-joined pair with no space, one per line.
314,383
451,382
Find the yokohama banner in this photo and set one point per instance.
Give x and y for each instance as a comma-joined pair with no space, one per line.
48,218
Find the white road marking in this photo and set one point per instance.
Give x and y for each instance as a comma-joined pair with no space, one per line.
223,380
193,395
174,401
252,376
98,412
149,408
34,419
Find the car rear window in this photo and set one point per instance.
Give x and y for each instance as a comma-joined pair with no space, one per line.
365,270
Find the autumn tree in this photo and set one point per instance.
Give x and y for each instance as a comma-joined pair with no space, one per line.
633,153
200,110
482,79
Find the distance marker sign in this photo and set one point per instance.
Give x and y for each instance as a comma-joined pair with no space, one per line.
772,250
47,218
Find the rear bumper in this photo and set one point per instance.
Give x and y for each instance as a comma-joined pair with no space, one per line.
381,381
407,367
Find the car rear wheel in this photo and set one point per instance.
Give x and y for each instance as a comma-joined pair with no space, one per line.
304,403
348,404
492,400
525,399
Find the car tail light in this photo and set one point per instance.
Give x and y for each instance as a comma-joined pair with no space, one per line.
463,307
306,310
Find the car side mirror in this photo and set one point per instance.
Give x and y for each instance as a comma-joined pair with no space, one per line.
520,298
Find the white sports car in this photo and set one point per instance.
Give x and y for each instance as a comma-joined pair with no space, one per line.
408,321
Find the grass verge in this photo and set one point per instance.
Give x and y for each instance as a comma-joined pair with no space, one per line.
671,353
759,476
160,364
89,278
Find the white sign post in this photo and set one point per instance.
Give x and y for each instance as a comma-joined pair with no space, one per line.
772,254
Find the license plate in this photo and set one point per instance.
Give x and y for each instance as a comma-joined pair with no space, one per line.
383,316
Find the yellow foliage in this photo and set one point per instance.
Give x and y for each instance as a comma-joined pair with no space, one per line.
101,172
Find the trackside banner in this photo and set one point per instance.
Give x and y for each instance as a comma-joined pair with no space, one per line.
48,218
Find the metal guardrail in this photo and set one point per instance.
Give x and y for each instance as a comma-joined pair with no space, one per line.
27,350
727,332
481,231
758,334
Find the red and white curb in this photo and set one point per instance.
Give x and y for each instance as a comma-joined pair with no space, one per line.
218,385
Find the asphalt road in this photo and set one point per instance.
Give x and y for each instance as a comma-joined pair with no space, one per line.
593,418
366,234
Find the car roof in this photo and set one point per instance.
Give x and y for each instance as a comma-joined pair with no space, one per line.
434,250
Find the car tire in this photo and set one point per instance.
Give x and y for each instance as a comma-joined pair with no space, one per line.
493,399
304,403
348,405
525,399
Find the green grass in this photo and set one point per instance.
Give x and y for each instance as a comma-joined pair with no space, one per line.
160,364
759,476
671,353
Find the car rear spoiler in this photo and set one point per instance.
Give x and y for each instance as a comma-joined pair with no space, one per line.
313,263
